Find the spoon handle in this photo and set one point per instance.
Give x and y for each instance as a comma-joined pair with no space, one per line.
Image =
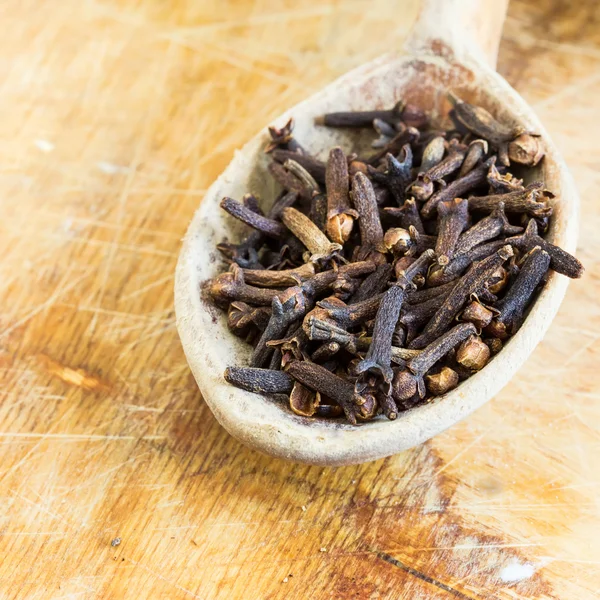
465,26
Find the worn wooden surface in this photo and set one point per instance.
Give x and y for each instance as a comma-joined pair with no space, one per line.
114,118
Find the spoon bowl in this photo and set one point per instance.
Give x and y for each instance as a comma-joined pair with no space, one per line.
449,59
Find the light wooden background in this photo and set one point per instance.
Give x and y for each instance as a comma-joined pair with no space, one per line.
115,116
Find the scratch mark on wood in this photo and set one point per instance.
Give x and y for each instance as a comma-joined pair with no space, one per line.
423,576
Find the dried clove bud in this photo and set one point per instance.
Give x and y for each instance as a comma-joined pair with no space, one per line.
379,355
423,187
439,275
481,123
229,287
363,196
476,152
319,379
260,381
284,312
459,187
310,235
397,175
526,149
267,226
487,229
453,216
283,138
498,281
502,183
409,383
433,154
478,314
408,215
442,382
494,344
477,275
312,165
288,181
283,278
560,260
360,118
340,217
247,321
304,401
532,200
374,284
513,305
473,353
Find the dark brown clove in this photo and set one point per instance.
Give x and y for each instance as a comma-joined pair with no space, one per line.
260,381
397,175
354,315
453,216
228,287
475,154
283,138
288,181
340,217
317,243
313,165
304,401
409,383
379,355
478,314
439,275
283,278
406,137
473,353
415,316
247,321
284,311
388,406
481,123
363,197
319,379
467,285
416,297
322,281
524,201
494,344
374,284
458,188
526,149
268,227
423,188
440,383
439,347
501,183
560,260
410,243
516,300
360,118
433,153
408,214
487,229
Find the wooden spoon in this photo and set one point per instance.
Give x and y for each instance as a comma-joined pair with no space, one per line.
453,46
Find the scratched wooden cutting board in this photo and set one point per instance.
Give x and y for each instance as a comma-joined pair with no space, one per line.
114,118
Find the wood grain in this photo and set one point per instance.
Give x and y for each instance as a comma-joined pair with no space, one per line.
114,118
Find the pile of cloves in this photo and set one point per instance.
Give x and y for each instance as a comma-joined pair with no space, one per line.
375,283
